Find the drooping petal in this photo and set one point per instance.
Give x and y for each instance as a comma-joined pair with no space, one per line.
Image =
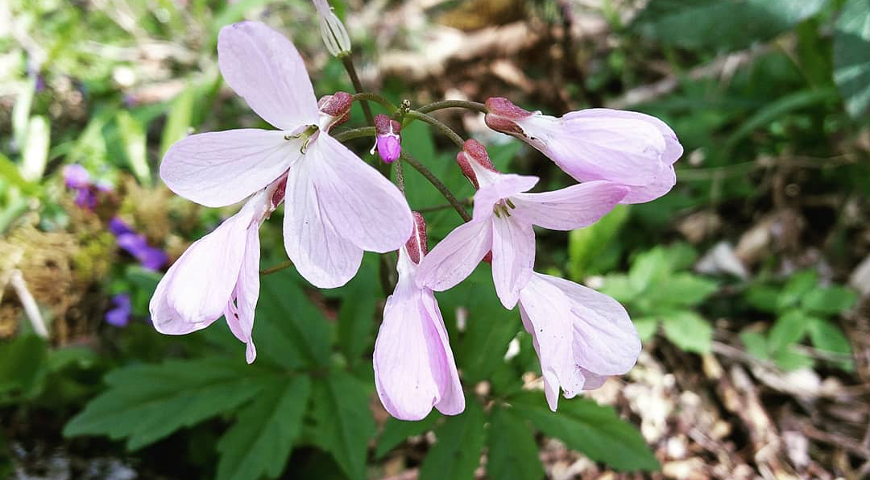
363,205
264,68
319,253
456,256
513,257
502,186
659,185
198,286
221,168
673,148
580,335
598,146
240,312
573,207
413,362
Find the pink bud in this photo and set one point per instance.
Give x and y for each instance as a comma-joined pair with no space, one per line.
389,142
336,106
473,151
417,247
503,114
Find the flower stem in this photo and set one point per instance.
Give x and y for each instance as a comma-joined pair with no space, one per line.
443,206
276,268
374,97
354,78
355,133
431,107
457,205
400,176
437,124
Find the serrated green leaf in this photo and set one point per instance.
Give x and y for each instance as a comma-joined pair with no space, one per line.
852,56
795,288
145,403
681,290
456,453
619,287
343,420
790,359
763,297
133,137
648,268
260,441
789,329
178,120
512,450
397,431
829,300
755,344
688,330
828,338
586,244
592,429
721,24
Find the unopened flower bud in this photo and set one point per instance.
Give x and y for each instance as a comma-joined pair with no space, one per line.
389,142
332,30
503,114
473,151
336,108
417,247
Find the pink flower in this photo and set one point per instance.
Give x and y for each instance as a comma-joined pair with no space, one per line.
413,362
629,148
502,223
218,275
388,142
337,206
581,336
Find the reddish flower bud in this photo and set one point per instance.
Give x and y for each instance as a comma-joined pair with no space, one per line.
417,247
337,107
503,114
473,151
389,142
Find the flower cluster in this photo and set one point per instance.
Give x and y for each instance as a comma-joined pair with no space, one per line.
336,206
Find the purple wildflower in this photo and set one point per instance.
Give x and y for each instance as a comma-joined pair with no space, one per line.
119,316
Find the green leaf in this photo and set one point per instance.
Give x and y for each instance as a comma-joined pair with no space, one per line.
681,290
133,136
178,120
260,441
10,173
145,403
790,359
21,114
646,327
590,428
649,268
789,329
36,149
721,24
688,330
586,244
852,56
23,365
356,316
512,450
456,453
755,343
763,297
775,109
829,300
620,288
344,422
290,330
397,431
797,286
828,338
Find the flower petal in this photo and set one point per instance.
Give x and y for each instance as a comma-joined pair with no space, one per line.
659,185
456,256
318,251
240,314
573,207
502,186
221,168
413,362
363,205
513,257
198,286
673,149
264,68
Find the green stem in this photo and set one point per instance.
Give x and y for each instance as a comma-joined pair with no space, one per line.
457,205
443,206
357,85
355,133
276,268
476,106
374,97
400,176
437,124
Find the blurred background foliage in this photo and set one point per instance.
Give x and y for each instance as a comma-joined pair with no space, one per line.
747,282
